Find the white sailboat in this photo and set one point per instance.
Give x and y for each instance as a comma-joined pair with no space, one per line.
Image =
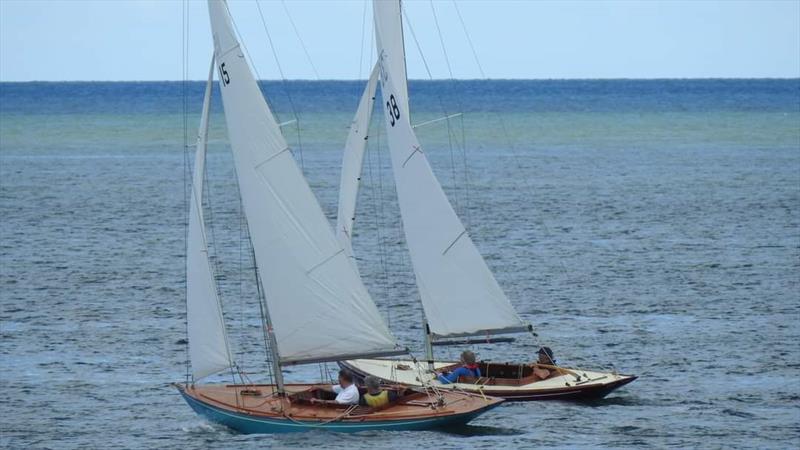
316,306
459,293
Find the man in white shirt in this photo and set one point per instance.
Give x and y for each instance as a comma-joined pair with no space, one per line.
346,391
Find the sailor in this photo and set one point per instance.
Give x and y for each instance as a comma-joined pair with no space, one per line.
545,357
375,396
346,391
469,368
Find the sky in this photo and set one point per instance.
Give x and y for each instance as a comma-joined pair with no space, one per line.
66,40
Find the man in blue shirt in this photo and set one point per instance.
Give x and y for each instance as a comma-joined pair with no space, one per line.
469,369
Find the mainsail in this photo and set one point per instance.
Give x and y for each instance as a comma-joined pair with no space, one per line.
459,294
208,344
318,304
352,162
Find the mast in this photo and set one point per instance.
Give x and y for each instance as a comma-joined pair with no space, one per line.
428,342
316,302
266,322
459,294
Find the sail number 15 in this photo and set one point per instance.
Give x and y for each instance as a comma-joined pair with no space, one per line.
394,111
223,75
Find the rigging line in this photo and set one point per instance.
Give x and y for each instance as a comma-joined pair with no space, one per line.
503,126
260,295
469,40
261,299
259,80
242,44
384,166
241,296
302,44
216,270
371,42
215,259
284,85
385,236
401,259
185,108
538,341
217,273
382,217
363,28
441,105
377,216
461,119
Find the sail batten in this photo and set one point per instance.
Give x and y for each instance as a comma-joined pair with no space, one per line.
209,352
315,298
459,293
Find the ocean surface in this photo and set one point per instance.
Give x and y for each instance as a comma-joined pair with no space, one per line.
649,226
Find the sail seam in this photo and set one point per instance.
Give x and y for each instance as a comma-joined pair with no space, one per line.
317,266
454,242
225,53
271,157
417,149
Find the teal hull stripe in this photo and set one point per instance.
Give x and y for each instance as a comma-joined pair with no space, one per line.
249,424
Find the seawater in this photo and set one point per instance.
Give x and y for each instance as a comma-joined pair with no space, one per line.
652,227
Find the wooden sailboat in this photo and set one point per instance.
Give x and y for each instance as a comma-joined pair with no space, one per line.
462,301
316,306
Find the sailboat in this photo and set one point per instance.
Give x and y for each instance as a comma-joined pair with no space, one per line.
462,301
316,308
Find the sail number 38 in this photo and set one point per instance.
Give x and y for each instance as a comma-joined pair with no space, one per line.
394,111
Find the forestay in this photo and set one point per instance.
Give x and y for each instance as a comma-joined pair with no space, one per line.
459,294
319,307
208,344
352,162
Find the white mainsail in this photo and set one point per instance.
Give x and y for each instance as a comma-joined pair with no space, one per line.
208,344
318,304
352,162
459,294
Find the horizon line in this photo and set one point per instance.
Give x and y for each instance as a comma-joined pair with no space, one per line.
421,79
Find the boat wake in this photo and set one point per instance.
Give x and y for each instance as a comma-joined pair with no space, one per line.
205,428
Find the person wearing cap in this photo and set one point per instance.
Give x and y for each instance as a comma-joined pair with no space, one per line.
545,357
469,368
375,396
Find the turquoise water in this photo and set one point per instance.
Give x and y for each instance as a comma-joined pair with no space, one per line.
649,225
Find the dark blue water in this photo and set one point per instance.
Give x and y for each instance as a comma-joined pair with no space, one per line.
652,226
705,95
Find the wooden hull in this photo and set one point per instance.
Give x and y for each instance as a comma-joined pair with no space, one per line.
267,413
590,386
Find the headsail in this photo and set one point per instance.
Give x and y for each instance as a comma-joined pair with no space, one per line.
318,304
459,293
352,163
208,344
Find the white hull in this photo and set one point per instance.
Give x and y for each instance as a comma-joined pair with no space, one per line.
569,384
